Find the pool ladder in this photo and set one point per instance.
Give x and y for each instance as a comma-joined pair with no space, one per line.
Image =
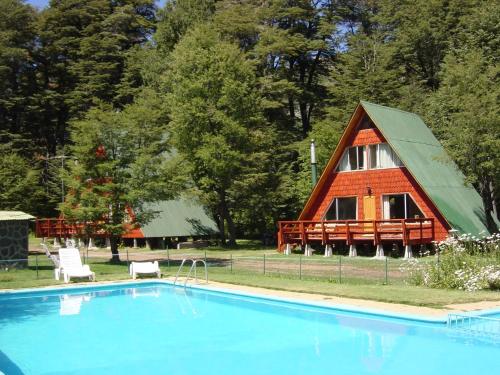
191,269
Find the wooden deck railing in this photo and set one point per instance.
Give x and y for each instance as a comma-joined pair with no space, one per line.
408,231
66,229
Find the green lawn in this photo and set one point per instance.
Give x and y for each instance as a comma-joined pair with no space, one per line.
40,273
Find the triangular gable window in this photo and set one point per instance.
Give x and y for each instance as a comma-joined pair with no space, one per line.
366,123
377,156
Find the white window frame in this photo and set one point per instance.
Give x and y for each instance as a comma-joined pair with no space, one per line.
367,158
405,194
346,154
337,207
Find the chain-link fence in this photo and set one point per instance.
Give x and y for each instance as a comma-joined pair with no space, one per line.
337,268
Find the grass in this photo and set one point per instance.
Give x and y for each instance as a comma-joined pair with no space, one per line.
351,287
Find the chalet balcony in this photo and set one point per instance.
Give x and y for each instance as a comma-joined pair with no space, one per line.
62,228
407,231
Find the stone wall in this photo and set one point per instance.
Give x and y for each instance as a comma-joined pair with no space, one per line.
13,242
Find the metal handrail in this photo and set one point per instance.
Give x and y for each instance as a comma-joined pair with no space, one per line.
193,267
474,323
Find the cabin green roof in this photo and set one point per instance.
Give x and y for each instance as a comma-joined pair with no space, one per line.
14,216
428,162
179,218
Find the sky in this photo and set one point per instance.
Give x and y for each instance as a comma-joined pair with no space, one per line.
40,4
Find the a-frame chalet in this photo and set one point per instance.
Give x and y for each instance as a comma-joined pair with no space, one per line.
389,180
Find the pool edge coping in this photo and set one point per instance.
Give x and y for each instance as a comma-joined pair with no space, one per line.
341,307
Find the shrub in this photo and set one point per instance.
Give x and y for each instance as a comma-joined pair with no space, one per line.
466,263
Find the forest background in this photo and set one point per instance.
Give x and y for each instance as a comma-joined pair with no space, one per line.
107,104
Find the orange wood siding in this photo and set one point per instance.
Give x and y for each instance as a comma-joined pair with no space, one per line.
381,182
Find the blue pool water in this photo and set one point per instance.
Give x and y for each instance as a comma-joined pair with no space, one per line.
158,329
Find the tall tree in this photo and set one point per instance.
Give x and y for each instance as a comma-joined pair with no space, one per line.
217,121
17,68
293,41
83,49
177,17
120,163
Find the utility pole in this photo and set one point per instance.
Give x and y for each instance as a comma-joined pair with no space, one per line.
314,167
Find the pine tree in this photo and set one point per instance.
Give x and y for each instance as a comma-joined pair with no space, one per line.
83,50
17,69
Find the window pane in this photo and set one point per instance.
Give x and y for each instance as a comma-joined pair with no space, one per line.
412,209
385,158
372,151
331,214
353,159
346,208
344,162
361,157
397,206
395,160
366,123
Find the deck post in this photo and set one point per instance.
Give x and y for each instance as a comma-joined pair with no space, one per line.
379,253
91,243
308,250
108,243
135,244
328,250
408,252
288,249
352,250
57,244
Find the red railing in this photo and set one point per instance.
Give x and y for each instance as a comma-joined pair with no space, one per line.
408,231
66,229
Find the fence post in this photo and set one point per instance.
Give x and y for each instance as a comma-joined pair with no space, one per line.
264,264
36,262
386,274
205,256
300,267
438,270
231,263
128,264
340,269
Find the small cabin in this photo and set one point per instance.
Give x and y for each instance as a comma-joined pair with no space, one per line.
388,182
174,221
14,231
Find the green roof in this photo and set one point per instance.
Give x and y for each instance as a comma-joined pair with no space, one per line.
179,218
430,165
14,215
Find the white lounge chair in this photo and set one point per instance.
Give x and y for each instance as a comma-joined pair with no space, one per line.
144,268
71,265
54,259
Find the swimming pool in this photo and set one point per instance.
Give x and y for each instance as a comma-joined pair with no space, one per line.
156,328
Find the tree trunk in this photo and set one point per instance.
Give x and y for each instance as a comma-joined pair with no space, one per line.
222,229
115,255
226,215
488,202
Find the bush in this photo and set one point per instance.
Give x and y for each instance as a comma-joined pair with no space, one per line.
466,263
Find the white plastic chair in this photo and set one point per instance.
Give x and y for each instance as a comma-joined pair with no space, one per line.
71,265
54,259
144,268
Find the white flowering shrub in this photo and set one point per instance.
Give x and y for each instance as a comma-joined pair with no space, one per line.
466,262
